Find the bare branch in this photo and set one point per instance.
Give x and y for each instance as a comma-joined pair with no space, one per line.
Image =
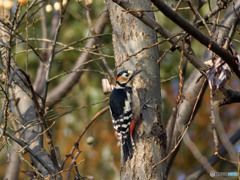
81,135
73,163
205,40
62,89
213,121
231,96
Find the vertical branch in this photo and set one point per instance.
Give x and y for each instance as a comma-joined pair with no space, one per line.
41,72
218,131
48,66
213,120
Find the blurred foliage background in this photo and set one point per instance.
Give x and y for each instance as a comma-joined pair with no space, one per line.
100,153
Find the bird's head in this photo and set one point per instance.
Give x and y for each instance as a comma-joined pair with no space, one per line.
124,78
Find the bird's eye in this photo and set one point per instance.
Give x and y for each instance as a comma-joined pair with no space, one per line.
127,75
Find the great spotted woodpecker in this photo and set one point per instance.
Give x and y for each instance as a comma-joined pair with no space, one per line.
125,110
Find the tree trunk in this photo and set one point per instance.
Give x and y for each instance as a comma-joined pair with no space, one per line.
130,35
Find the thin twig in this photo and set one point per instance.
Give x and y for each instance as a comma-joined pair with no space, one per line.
74,109
81,135
168,79
135,54
197,14
73,163
63,88
180,79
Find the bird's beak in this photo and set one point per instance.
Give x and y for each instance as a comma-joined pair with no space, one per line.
135,73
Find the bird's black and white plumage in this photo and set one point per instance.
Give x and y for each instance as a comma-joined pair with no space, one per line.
122,110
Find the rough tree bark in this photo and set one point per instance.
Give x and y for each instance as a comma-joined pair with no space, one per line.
130,35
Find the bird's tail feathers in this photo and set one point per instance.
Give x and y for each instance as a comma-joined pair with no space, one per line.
127,147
